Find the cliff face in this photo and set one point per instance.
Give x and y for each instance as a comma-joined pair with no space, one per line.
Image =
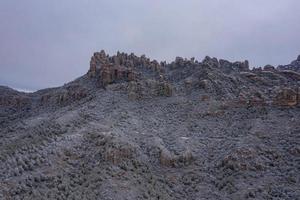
134,128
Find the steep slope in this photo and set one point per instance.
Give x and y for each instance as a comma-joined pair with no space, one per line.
133,128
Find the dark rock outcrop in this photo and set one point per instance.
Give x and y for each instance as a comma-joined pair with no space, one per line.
287,97
131,70
294,65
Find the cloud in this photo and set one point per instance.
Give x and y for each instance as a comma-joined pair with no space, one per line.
48,43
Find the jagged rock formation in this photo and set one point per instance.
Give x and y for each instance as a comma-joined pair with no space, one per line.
134,128
129,68
294,66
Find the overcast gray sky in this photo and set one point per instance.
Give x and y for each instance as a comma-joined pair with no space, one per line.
45,43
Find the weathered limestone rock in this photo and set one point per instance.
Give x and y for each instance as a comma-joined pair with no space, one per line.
205,84
245,65
287,97
106,75
211,62
111,148
15,101
269,68
256,98
70,94
224,63
204,98
189,83
241,66
167,158
97,60
149,88
179,61
293,66
186,157
110,74
93,68
118,153
243,159
134,90
62,98
165,89
121,67
45,98
154,65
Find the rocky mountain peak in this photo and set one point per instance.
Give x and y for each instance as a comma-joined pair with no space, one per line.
142,78
122,66
134,128
294,65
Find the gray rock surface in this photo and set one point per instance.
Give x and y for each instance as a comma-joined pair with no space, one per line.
294,65
133,128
